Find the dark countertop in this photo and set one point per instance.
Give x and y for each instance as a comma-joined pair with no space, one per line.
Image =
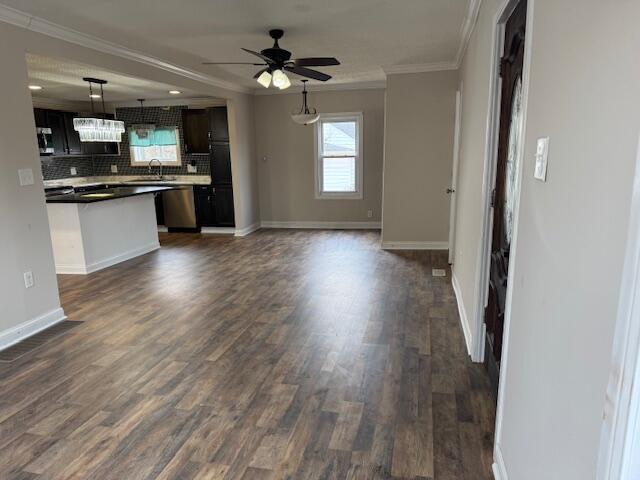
110,193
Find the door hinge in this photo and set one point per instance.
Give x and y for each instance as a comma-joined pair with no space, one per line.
501,66
493,198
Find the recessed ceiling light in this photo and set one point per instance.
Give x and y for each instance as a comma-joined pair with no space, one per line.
35,87
175,92
94,95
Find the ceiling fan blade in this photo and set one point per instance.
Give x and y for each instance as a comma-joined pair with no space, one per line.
307,72
260,72
231,63
316,62
263,57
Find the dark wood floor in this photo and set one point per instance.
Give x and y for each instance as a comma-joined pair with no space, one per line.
285,354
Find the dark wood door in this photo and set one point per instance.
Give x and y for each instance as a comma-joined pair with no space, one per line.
218,124
223,199
74,146
55,121
220,164
504,195
195,129
205,206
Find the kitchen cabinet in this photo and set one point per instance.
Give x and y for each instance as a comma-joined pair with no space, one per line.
218,124
195,130
223,199
55,121
74,145
220,164
205,206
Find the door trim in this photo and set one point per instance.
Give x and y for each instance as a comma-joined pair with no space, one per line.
454,176
620,437
488,183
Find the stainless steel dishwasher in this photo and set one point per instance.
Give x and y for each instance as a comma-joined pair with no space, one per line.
179,208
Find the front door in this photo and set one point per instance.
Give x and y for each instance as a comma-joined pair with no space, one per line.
504,194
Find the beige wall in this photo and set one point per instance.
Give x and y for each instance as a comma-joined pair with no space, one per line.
25,243
286,178
571,231
419,119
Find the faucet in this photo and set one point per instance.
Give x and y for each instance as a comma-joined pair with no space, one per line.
159,164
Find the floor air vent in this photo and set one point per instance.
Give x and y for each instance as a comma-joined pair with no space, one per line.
29,344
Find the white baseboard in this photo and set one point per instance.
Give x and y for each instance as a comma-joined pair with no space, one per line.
218,230
107,262
323,225
30,327
464,319
498,467
243,232
415,245
162,229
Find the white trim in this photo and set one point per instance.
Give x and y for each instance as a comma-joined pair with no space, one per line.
218,230
26,329
464,319
501,17
243,232
621,417
165,163
453,195
322,225
327,117
196,102
325,87
391,245
498,467
107,262
467,29
162,229
45,27
420,67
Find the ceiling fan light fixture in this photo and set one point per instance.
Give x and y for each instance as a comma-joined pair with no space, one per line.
280,80
264,79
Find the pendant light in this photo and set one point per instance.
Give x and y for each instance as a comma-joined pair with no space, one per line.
143,130
95,129
305,116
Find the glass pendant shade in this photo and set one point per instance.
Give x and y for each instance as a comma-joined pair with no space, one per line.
280,80
98,129
305,116
265,79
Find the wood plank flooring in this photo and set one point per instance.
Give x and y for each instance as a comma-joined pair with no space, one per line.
281,355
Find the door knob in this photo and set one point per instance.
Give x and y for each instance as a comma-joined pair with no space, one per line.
450,190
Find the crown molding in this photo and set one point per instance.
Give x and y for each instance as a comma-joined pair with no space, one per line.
467,29
39,25
420,68
194,102
325,87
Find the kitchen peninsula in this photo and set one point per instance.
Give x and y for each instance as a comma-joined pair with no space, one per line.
95,229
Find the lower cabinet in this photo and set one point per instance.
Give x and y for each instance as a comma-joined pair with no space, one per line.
214,206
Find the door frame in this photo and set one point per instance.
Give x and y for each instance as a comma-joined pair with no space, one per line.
454,175
488,183
620,437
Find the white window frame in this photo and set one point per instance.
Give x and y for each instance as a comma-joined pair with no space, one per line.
328,117
174,163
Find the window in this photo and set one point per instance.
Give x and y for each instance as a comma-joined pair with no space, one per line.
339,156
162,143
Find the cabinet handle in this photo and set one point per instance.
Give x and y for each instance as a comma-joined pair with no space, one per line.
213,189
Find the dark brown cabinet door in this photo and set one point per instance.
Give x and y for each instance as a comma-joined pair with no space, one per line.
55,121
195,128
74,146
218,124
205,207
220,164
509,141
223,198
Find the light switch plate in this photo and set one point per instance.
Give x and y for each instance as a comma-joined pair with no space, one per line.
26,176
192,168
28,279
74,171
114,168
542,156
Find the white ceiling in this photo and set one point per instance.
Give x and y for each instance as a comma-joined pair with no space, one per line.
365,35
62,80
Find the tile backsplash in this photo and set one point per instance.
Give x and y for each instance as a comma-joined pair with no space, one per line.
54,168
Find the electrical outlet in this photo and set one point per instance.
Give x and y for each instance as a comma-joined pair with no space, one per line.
25,176
74,171
369,213
28,279
192,168
114,168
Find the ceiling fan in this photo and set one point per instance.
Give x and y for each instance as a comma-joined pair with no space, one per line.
276,60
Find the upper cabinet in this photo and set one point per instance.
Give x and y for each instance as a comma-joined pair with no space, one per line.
65,139
195,127
218,124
